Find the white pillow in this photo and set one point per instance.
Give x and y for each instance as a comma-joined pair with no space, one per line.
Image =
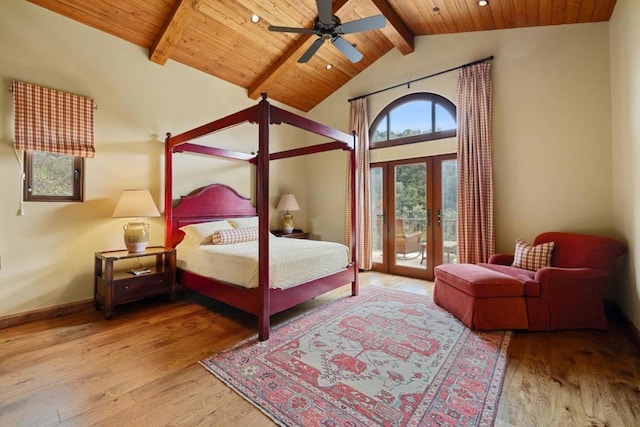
200,233
244,222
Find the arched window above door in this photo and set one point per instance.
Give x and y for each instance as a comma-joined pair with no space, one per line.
416,117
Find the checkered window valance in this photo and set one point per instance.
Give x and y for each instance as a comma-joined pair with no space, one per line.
54,121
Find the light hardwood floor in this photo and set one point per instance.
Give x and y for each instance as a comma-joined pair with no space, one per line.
141,368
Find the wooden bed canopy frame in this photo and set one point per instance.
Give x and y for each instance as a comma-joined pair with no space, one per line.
220,202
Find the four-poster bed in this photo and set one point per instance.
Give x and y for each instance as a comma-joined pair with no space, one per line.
219,202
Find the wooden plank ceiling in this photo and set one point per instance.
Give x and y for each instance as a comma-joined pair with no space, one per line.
218,37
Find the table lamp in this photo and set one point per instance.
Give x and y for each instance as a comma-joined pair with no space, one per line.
287,203
135,204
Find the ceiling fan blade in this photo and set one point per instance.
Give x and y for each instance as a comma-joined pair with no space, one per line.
347,49
325,14
364,24
311,51
292,30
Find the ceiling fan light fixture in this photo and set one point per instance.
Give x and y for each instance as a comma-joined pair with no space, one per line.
483,2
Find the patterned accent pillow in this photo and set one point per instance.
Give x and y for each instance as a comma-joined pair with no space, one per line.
532,257
200,233
234,235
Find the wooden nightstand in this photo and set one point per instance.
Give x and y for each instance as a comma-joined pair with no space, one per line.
113,287
296,234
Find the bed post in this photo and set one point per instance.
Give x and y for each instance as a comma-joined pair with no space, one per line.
354,213
168,191
262,202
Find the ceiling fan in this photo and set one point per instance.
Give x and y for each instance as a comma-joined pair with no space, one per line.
327,26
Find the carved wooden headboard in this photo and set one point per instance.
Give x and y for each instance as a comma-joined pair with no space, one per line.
210,203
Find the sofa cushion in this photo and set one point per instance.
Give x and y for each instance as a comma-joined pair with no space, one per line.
532,257
478,281
526,277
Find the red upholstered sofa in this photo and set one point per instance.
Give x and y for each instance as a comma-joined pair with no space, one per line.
567,295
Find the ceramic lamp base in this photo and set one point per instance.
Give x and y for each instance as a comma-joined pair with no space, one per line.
136,236
287,223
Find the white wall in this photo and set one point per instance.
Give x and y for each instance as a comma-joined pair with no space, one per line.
551,122
46,256
625,107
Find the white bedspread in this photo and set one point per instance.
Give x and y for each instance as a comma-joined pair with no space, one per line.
293,261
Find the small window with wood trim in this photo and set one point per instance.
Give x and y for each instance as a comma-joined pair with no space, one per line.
416,117
55,131
53,177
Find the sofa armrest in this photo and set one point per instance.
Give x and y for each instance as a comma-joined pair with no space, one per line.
502,259
558,273
556,282
570,298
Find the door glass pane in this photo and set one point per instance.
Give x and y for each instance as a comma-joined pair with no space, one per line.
377,214
410,214
449,214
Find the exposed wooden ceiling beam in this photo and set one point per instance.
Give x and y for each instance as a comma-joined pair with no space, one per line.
172,29
396,30
272,73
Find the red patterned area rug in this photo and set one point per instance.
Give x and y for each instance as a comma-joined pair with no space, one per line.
385,357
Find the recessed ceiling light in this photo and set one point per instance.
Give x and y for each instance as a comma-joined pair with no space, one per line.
255,18
329,66
483,2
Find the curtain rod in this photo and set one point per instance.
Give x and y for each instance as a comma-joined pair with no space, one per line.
488,58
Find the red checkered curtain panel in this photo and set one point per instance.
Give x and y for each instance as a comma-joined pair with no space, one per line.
54,121
476,234
359,122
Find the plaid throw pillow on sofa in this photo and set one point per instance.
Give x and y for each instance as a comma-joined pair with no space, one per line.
532,257
234,235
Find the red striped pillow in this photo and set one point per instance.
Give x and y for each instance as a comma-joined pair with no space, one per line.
532,257
234,235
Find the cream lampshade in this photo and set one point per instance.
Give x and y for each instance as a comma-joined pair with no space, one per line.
287,203
135,204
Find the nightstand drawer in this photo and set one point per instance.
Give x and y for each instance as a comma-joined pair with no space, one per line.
140,287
